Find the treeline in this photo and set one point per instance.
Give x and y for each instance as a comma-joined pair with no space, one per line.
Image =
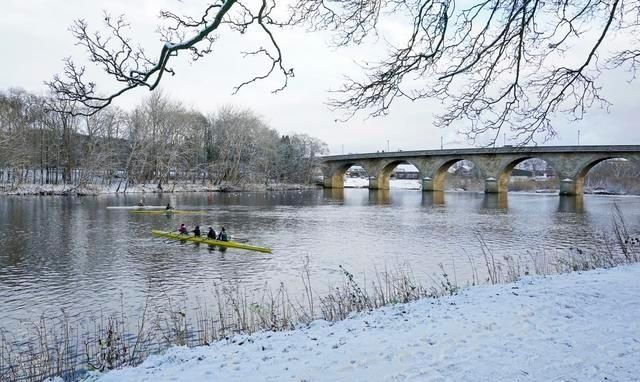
158,142
614,175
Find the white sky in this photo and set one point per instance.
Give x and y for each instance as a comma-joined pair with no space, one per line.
35,38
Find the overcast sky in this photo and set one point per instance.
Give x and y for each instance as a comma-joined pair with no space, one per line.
35,38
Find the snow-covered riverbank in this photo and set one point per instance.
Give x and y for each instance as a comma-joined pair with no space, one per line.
35,189
571,327
61,189
412,184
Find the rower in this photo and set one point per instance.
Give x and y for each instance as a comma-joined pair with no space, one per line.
183,229
223,235
211,234
168,207
196,231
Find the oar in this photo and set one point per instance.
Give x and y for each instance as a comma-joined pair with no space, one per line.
169,240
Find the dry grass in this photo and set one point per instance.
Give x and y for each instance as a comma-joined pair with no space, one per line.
620,248
66,347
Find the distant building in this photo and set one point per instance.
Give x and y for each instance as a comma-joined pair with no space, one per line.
405,172
519,174
464,169
356,172
538,167
405,175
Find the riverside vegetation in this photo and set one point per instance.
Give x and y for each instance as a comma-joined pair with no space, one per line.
70,347
158,144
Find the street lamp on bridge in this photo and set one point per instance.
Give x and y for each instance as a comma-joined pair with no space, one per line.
578,137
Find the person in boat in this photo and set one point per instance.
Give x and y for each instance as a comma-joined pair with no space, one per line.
141,203
169,207
211,234
183,229
196,231
223,235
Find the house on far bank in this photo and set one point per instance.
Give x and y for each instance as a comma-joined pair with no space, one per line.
356,172
405,171
519,175
539,169
404,174
543,174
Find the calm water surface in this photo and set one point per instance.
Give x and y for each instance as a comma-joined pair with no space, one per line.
74,254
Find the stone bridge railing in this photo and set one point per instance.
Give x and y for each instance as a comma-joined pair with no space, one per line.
571,164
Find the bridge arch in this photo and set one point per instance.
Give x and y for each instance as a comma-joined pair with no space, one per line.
334,175
436,182
506,170
381,178
585,167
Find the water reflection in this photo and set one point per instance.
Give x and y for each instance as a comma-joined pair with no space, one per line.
497,201
379,197
432,198
336,194
215,248
571,204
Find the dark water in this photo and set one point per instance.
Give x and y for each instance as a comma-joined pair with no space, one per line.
75,254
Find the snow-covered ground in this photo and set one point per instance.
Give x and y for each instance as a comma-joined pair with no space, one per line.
393,183
572,327
49,189
60,189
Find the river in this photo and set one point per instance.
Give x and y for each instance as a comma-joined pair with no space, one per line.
72,254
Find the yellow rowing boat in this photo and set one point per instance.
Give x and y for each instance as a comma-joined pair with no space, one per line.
167,212
204,240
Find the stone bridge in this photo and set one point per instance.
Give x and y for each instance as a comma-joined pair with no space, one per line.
571,164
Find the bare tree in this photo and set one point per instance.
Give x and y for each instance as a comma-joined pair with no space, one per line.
160,142
496,64
100,146
616,175
237,140
131,67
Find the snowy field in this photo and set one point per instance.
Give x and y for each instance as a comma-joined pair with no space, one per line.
572,327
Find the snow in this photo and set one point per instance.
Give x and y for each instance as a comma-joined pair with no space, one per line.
61,189
413,184
572,327
356,182
35,189
393,183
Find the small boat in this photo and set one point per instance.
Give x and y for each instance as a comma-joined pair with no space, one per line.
135,207
167,212
204,240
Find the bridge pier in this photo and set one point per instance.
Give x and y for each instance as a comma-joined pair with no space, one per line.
427,184
570,187
492,186
379,183
335,181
